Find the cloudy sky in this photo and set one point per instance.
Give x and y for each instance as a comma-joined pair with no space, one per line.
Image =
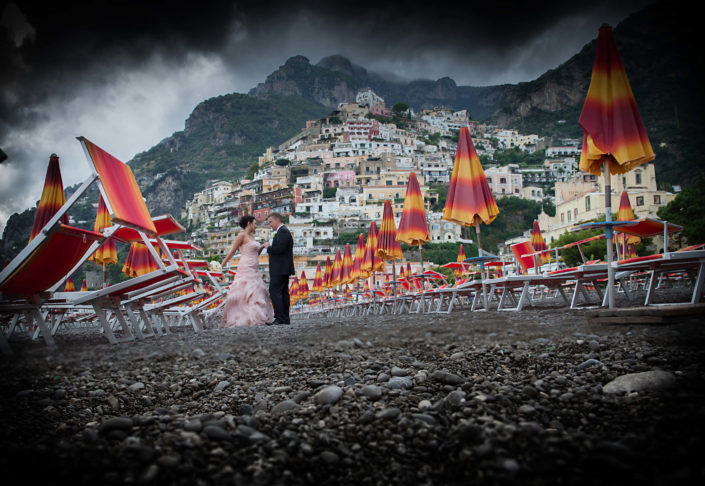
126,74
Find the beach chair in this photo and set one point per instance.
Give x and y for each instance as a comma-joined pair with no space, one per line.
36,272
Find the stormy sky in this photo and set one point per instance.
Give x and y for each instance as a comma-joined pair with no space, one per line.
126,74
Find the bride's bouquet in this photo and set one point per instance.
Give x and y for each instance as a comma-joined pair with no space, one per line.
215,266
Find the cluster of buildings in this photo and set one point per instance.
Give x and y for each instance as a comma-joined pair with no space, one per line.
333,177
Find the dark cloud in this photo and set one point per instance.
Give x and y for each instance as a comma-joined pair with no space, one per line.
127,73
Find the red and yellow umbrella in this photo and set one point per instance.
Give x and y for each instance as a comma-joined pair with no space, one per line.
52,198
318,279
371,262
614,137
84,286
388,247
294,291
612,125
327,274
335,275
303,285
357,272
413,228
106,253
470,200
139,260
538,243
459,272
70,287
346,270
626,213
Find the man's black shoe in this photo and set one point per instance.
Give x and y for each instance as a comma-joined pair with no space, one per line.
273,323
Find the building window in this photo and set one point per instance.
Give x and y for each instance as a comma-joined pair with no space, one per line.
502,180
389,183
637,177
569,216
657,199
489,180
562,218
576,213
587,204
640,200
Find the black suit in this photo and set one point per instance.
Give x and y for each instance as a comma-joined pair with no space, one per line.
281,265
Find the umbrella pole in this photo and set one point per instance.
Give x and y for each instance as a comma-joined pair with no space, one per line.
103,275
374,294
482,264
394,286
608,233
422,271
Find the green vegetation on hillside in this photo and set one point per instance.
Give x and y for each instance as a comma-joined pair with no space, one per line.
687,210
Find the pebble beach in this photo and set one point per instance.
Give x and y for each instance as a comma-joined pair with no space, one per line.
543,396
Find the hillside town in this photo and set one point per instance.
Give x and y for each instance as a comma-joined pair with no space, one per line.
334,176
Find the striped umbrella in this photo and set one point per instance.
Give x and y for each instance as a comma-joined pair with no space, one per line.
470,199
357,272
327,274
318,279
106,253
538,243
371,263
625,213
139,260
614,138
335,274
303,285
70,287
52,198
402,279
388,247
84,286
294,291
346,270
413,228
459,272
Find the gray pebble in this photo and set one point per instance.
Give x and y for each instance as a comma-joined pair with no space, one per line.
329,394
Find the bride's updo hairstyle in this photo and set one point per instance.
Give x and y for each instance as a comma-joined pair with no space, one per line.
245,220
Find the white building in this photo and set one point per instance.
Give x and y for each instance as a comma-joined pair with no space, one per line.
505,180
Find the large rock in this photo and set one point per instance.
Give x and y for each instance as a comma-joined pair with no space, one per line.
329,394
645,381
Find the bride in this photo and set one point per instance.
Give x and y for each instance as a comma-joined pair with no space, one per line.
247,303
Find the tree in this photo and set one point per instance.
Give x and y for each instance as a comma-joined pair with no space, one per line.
329,192
687,210
283,162
252,170
400,107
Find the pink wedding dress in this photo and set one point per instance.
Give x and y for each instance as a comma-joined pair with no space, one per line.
247,303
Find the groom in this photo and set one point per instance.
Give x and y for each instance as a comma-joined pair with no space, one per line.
281,265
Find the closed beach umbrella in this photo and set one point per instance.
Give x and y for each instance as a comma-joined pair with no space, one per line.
84,286
625,213
327,273
318,279
346,270
388,247
139,260
614,137
70,287
413,228
52,198
357,262
459,272
538,243
294,291
371,262
106,253
470,200
336,271
303,286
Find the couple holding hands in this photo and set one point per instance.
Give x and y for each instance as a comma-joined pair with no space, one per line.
248,301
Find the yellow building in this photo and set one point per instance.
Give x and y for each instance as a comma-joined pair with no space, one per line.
579,202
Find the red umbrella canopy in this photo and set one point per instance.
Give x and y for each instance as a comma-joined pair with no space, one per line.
294,291
626,213
612,126
371,262
318,279
337,268
469,199
359,256
346,271
303,285
458,272
327,274
52,198
538,243
70,287
106,253
388,247
84,286
413,228
139,260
